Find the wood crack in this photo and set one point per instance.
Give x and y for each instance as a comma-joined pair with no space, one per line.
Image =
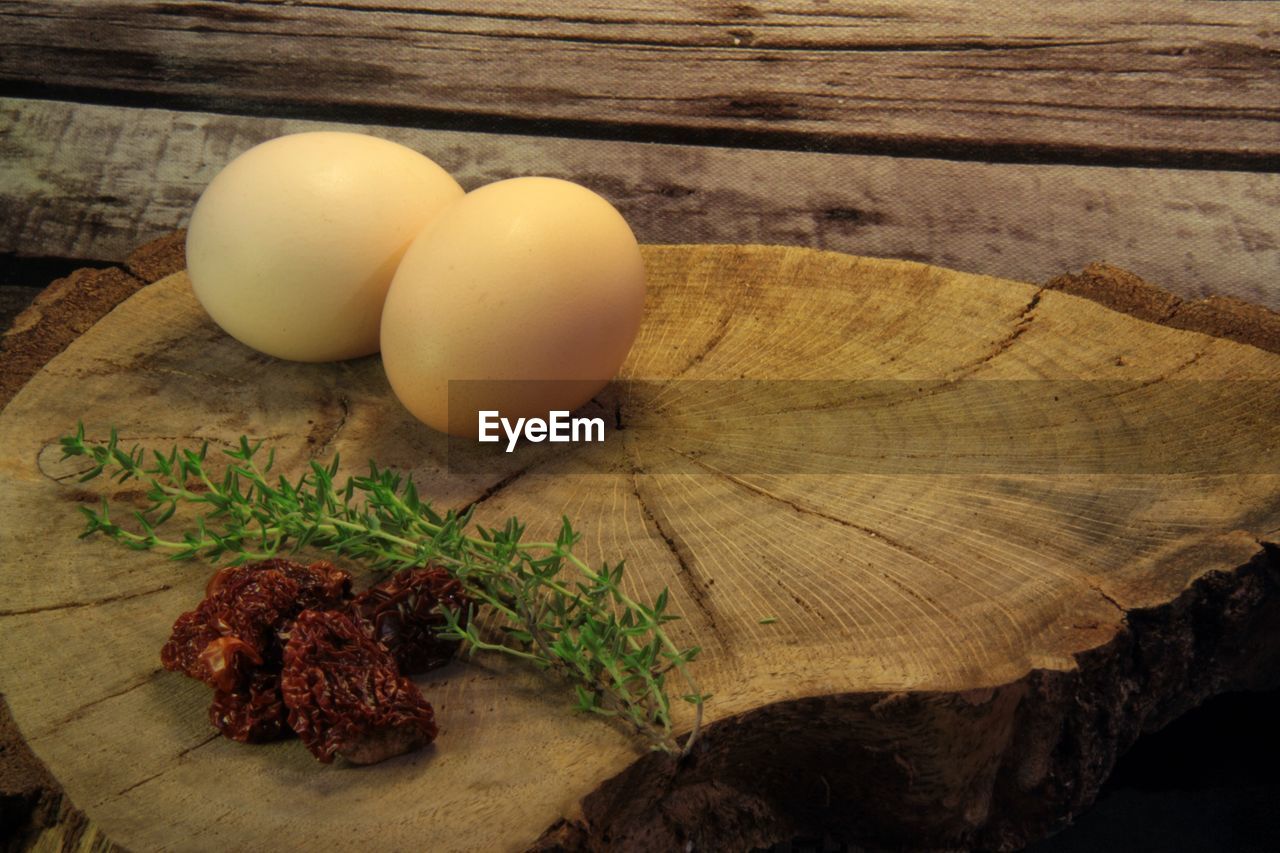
870,532
140,783
495,488
129,688
321,447
181,754
95,602
690,578
1168,374
909,592
709,346
1109,598
807,510
210,739
1021,323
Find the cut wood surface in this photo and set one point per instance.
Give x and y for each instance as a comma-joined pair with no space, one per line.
1191,83
93,182
956,659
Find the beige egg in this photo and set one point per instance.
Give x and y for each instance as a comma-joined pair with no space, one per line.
527,295
292,246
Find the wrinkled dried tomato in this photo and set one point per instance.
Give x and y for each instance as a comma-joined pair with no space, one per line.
254,713
271,640
345,695
226,660
320,584
234,629
247,611
403,614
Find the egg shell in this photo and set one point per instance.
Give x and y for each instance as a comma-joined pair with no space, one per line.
292,246
535,286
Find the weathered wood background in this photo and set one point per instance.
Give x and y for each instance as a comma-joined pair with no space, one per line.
1021,140
1012,138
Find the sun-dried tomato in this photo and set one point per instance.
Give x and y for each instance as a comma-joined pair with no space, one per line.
254,713
234,629
246,610
226,660
346,695
320,584
272,641
403,614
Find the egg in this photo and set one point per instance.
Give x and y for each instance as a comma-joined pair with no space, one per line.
292,246
534,285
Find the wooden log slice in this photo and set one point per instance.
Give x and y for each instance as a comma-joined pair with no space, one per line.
941,640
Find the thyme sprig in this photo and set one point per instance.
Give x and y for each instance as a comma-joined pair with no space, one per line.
612,649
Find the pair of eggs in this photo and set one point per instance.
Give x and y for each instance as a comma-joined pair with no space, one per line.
525,294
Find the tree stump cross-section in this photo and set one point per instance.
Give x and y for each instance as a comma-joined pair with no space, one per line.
943,643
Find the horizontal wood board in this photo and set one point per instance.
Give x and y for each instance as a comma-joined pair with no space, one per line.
93,182
1191,83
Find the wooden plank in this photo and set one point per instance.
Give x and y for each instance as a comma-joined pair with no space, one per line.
1122,83
93,182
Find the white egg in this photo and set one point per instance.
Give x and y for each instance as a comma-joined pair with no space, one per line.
292,246
521,282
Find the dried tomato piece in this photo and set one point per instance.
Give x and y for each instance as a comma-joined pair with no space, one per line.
189,637
252,714
247,609
248,605
346,695
320,584
226,661
403,614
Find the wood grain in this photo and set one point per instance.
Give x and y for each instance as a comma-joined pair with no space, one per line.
1187,84
986,643
94,182
42,817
